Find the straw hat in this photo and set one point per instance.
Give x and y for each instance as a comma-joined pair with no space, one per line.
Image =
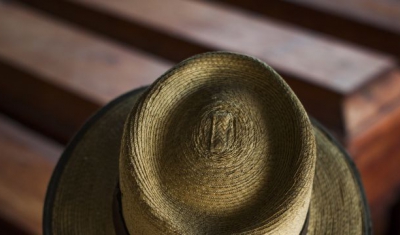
217,145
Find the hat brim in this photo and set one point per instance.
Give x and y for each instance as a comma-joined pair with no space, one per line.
80,194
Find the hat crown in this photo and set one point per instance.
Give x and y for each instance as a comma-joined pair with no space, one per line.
219,145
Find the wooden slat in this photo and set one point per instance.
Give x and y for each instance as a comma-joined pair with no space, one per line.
379,145
312,64
366,107
207,26
377,155
53,76
383,13
376,148
371,23
26,163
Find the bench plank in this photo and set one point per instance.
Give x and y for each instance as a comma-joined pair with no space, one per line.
377,156
26,163
310,63
54,75
374,24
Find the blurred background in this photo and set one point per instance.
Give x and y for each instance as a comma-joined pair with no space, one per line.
60,61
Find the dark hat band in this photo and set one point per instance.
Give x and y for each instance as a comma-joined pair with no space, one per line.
121,229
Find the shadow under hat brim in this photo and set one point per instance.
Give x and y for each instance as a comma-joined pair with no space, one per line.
80,194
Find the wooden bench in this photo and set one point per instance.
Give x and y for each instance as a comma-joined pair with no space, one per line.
374,24
55,76
27,160
310,63
90,51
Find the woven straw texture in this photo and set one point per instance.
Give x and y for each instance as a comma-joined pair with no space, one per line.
338,205
218,145
80,196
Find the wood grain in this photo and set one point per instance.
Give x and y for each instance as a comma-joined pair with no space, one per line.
369,105
377,156
309,62
54,75
384,13
371,23
27,160
208,27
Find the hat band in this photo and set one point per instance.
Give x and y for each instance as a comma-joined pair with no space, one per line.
121,229
119,223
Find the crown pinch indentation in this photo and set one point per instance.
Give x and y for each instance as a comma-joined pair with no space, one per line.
221,131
